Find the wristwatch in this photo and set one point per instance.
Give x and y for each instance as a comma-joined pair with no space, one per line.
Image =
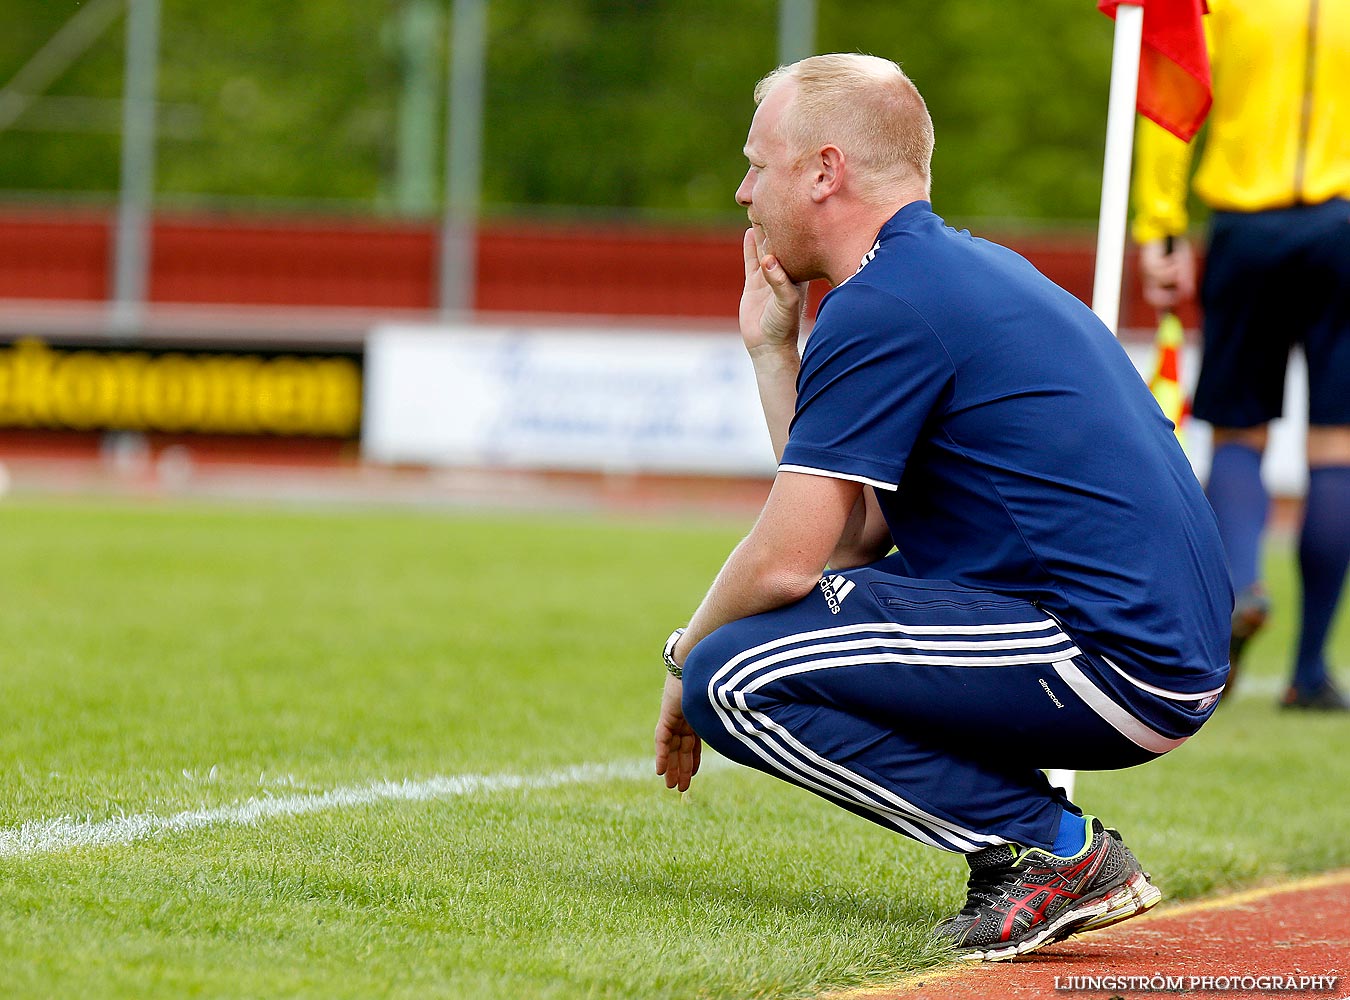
668,654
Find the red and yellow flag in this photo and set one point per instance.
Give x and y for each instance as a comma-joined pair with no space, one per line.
1174,80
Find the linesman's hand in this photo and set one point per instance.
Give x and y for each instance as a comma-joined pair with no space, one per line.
772,306
1168,279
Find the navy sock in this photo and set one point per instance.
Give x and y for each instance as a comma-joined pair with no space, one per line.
1323,553
1240,503
1071,837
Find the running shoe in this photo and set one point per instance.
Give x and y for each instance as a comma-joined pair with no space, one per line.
1021,898
1326,698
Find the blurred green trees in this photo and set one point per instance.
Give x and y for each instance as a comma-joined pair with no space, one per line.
592,105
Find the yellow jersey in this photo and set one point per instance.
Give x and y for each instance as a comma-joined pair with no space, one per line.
1278,133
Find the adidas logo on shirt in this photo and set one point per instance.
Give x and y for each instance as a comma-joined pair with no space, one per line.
835,588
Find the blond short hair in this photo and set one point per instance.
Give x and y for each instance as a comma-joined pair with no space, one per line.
867,107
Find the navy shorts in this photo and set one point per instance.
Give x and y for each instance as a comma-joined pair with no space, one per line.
924,706
1273,280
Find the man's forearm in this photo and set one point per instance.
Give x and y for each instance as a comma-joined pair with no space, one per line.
781,560
866,537
749,584
776,370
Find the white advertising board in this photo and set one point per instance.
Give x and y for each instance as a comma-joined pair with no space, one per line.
633,401
618,401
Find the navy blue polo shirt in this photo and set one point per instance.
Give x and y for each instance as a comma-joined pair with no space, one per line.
1014,448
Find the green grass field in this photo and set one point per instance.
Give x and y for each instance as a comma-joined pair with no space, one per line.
159,659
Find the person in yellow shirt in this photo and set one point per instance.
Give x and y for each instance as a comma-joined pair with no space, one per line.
1276,173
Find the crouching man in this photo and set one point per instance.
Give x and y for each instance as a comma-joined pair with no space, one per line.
1057,596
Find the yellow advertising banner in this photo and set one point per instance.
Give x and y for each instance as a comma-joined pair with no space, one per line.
178,391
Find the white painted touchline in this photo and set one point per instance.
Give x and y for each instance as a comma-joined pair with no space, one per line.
49,836
1259,687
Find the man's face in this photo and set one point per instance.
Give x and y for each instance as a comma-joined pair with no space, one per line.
774,192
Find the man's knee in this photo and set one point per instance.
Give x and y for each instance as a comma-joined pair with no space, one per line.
1254,438
1328,444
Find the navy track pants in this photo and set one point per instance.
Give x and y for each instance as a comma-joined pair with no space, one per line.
924,706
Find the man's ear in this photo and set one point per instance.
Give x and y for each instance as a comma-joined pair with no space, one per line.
829,177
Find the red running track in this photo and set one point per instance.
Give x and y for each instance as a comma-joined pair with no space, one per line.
1230,947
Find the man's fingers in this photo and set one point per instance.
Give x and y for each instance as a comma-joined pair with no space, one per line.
686,774
790,295
694,756
750,250
753,249
668,764
777,278
691,753
678,759
757,256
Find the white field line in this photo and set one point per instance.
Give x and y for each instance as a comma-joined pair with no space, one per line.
1260,687
49,836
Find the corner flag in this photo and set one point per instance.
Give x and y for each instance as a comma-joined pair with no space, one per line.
1174,80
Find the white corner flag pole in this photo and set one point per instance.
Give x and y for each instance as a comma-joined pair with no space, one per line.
1107,280
1115,205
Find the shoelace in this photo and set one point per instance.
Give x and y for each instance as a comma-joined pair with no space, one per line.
982,888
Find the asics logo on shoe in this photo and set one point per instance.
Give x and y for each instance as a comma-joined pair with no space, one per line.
835,588
1036,900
